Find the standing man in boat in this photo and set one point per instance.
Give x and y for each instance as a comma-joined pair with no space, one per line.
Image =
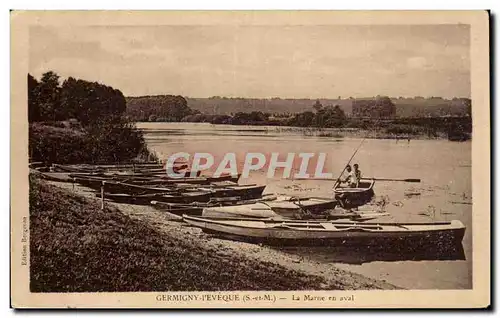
357,174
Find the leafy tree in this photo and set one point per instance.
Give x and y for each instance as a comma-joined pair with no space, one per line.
167,107
257,116
90,101
48,93
379,107
330,117
467,103
317,106
220,119
305,119
72,96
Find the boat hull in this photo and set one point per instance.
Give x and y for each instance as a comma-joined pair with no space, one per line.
178,209
305,208
334,233
251,192
288,208
349,198
143,199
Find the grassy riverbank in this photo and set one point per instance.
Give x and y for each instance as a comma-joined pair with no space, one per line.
76,247
451,128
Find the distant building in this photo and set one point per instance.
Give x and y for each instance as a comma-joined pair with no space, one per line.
379,107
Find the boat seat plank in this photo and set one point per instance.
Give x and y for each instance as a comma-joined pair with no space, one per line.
328,226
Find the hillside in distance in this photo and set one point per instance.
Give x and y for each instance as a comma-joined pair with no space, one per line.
226,106
405,107
166,106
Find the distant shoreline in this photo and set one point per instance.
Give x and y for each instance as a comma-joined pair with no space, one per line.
320,132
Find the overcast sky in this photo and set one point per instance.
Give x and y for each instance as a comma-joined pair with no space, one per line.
261,61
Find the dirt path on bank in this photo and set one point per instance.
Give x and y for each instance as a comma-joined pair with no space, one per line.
169,227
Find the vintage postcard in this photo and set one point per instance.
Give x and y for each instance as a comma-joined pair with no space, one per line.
250,159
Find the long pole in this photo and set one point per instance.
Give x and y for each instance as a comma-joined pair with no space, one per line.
345,166
376,179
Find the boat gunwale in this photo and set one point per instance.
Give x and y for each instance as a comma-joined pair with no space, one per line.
201,219
340,190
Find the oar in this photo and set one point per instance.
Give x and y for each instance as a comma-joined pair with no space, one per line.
402,180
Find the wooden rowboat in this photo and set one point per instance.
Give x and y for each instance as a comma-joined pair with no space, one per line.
55,176
243,191
192,181
197,210
141,184
265,210
213,202
145,199
333,232
132,176
133,194
288,207
115,187
350,198
141,199
178,209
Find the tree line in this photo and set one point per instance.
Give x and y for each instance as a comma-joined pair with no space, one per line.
378,114
164,108
405,106
87,102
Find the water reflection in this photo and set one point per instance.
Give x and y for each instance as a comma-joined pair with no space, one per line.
358,255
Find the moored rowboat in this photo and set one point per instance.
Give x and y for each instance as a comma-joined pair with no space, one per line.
145,199
111,186
333,232
198,207
243,191
287,207
154,180
55,176
264,210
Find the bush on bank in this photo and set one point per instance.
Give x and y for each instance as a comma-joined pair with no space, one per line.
103,144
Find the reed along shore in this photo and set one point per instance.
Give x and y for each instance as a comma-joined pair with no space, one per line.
77,247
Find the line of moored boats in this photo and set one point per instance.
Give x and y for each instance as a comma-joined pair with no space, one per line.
222,206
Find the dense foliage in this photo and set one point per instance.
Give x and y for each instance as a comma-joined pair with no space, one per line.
222,110
324,117
405,106
87,102
379,107
79,122
103,143
165,108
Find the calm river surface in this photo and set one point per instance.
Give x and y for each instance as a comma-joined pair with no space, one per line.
445,192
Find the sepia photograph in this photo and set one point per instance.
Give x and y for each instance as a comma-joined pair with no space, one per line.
250,159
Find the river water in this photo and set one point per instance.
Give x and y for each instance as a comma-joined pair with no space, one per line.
444,193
